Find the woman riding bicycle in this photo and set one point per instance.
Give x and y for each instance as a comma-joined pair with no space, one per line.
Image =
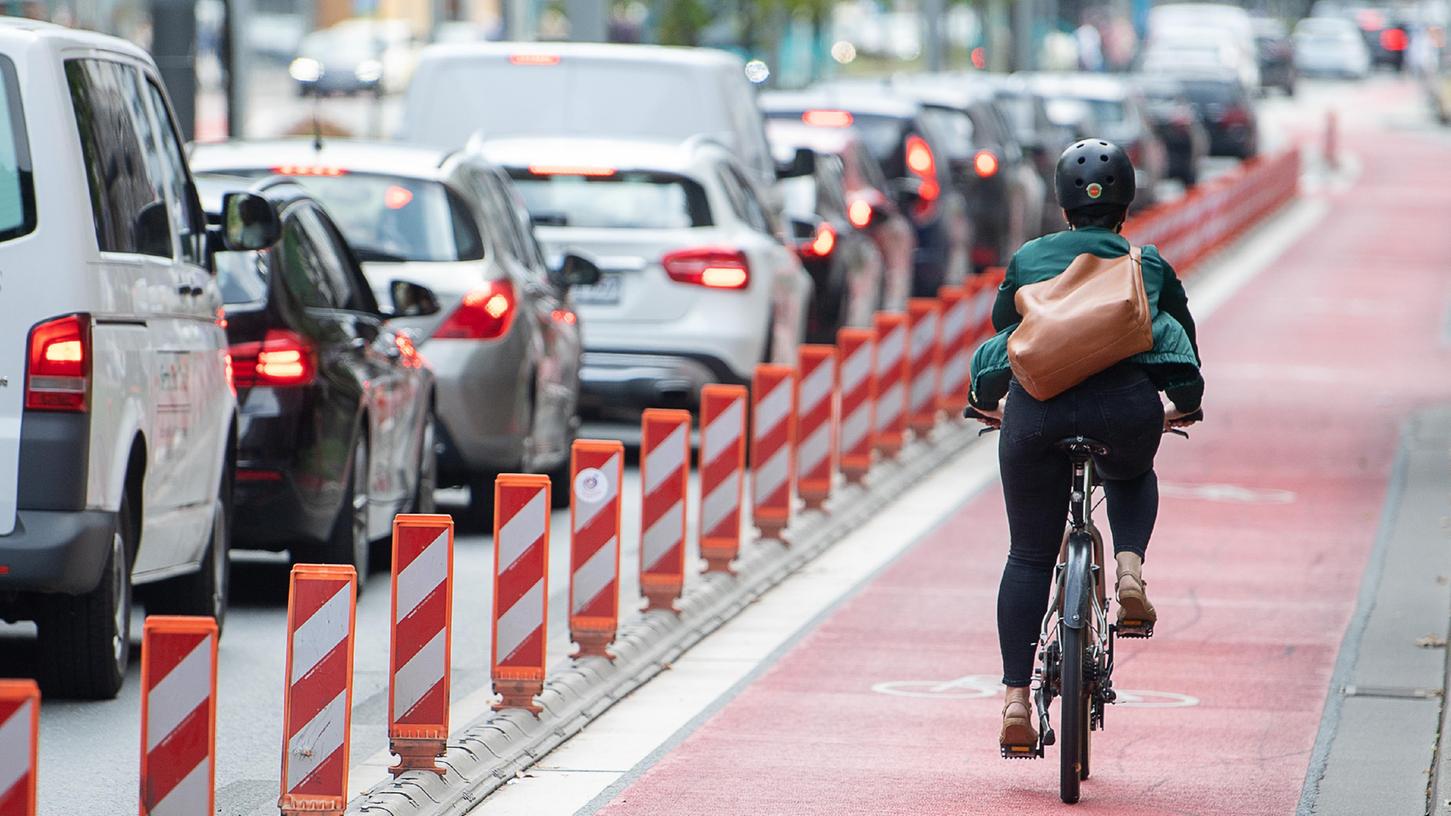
1119,406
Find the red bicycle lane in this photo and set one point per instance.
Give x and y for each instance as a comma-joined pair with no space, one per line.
1269,513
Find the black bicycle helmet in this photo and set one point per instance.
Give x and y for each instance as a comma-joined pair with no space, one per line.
1094,171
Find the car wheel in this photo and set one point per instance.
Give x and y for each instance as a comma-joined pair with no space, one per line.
427,469
85,640
348,543
203,592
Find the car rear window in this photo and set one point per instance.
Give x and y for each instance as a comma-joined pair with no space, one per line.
1210,92
619,200
17,188
243,277
392,218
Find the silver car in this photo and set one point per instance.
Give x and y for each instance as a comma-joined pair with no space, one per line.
505,342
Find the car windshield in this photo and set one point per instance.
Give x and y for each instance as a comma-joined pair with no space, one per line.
1210,92
1108,111
1020,113
620,200
395,218
333,45
243,276
17,191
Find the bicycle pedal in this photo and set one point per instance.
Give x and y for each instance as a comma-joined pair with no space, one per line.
1021,752
1135,629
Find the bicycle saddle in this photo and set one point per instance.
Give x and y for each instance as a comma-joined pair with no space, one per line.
1081,447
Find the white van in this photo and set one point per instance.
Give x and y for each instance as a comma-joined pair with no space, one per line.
511,90
116,414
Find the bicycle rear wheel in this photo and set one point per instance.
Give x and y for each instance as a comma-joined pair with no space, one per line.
1073,731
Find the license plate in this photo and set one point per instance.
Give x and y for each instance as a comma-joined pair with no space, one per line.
604,293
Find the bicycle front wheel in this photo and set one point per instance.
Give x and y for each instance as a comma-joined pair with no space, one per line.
1073,730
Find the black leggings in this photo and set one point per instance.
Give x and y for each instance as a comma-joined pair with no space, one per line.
1120,408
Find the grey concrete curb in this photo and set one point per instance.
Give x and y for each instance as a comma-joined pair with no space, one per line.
496,747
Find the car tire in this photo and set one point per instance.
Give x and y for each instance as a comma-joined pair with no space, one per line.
205,591
349,543
427,468
85,640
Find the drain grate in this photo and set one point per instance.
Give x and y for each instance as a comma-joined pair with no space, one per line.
1393,692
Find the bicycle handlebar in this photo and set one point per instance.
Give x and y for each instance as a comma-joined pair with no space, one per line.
994,424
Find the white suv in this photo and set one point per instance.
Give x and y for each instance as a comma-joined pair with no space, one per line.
116,415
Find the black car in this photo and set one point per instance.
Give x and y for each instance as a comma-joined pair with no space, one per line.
1226,110
1276,54
914,156
1177,123
842,260
337,427
998,179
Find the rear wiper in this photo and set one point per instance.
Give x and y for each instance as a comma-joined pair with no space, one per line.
376,255
550,219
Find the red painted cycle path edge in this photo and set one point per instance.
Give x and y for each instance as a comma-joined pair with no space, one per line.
1311,369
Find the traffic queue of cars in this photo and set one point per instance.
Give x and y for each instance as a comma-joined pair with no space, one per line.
280,344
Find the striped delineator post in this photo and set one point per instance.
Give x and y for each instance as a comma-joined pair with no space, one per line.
664,475
521,589
773,443
956,350
19,730
816,388
420,649
855,361
923,363
178,715
596,470
890,377
318,708
722,473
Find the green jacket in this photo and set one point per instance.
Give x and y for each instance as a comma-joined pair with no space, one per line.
1173,362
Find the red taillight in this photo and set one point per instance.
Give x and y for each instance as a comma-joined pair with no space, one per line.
534,59
485,313
1234,116
282,359
923,165
859,212
711,267
820,244
985,163
58,376
827,118
258,475
570,170
1394,39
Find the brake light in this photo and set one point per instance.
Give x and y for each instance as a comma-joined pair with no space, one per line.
919,155
59,371
923,165
485,313
712,267
859,212
308,170
283,359
1234,116
534,59
985,163
822,244
397,197
1393,39
827,118
570,170
407,352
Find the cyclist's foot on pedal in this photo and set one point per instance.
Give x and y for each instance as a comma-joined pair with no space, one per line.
1018,738
1136,616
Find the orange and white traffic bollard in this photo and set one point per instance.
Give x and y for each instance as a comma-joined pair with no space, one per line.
773,440
596,469
722,473
178,715
816,386
420,648
923,363
890,376
665,474
19,732
956,350
521,589
318,707
855,361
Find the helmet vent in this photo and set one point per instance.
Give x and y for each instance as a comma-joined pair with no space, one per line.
1103,157
1081,160
1109,179
1078,182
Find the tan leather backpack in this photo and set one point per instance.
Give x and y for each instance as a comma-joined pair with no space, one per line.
1079,323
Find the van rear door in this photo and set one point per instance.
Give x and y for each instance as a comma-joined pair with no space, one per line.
20,253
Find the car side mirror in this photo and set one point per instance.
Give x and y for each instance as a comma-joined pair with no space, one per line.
411,299
576,270
803,163
249,222
153,230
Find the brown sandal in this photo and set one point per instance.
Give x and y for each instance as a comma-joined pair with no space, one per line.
1018,738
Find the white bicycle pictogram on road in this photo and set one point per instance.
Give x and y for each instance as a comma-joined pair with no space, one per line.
984,686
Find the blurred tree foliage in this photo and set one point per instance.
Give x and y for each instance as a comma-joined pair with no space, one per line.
682,21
